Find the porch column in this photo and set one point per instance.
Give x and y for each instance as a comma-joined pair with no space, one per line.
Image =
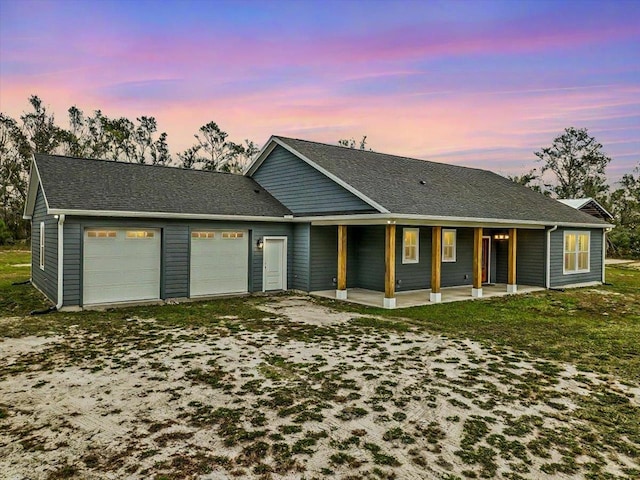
390,266
341,292
476,291
436,263
513,242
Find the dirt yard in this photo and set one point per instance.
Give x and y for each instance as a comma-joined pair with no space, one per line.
304,392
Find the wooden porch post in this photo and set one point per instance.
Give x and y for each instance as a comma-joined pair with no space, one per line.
436,264
390,266
513,242
341,292
476,291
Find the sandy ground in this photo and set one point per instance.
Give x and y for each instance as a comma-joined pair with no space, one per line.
350,402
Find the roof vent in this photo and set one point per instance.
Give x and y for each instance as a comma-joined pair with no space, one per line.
422,182
256,190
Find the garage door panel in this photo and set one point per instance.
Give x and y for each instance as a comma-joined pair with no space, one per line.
219,265
119,269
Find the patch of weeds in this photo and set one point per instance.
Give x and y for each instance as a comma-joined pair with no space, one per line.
213,377
345,459
399,416
65,471
165,438
483,456
473,430
380,324
381,458
508,449
432,432
289,429
351,413
253,454
398,434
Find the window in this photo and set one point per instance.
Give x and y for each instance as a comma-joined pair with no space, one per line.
139,234
101,234
448,245
42,245
203,235
576,252
410,245
229,235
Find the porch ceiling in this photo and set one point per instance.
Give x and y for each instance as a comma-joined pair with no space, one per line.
414,298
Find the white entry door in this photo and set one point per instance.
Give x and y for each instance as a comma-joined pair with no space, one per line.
275,264
219,262
120,265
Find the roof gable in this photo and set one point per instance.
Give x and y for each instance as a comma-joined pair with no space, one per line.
408,186
588,205
84,185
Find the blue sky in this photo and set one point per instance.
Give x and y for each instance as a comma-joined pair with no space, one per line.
470,82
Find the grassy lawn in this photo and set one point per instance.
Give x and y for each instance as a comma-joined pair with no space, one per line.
532,386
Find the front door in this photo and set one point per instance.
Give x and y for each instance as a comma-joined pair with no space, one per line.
275,264
486,258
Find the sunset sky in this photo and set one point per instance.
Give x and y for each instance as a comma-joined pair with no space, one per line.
475,83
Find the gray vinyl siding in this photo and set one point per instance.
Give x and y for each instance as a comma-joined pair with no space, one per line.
175,251
531,253
502,260
414,276
46,280
460,272
302,188
369,257
324,258
301,250
559,279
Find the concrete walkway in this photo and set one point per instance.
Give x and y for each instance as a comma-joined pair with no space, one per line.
416,298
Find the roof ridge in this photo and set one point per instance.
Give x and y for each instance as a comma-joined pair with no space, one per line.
384,154
84,159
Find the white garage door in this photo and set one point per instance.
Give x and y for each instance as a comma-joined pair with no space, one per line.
121,265
219,262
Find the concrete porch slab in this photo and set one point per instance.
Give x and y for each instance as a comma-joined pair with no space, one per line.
414,298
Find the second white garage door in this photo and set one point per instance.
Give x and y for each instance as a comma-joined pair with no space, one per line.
121,265
219,262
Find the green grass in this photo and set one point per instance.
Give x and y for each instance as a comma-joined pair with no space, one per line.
17,300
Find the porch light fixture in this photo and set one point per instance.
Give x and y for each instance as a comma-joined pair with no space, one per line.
260,243
501,236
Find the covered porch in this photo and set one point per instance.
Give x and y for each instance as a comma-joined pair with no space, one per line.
397,266
416,298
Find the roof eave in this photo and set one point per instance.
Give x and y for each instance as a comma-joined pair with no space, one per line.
383,218
168,215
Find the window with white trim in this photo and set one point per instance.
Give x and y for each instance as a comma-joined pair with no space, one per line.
42,245
448,245
576,252
410,245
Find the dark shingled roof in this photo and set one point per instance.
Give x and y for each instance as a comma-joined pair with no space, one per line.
83,184
410,186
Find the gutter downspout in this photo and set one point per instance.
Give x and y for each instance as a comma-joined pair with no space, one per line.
60,260
604,253
553,229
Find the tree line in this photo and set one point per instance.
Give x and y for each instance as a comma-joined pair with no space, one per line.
98,136
574,166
